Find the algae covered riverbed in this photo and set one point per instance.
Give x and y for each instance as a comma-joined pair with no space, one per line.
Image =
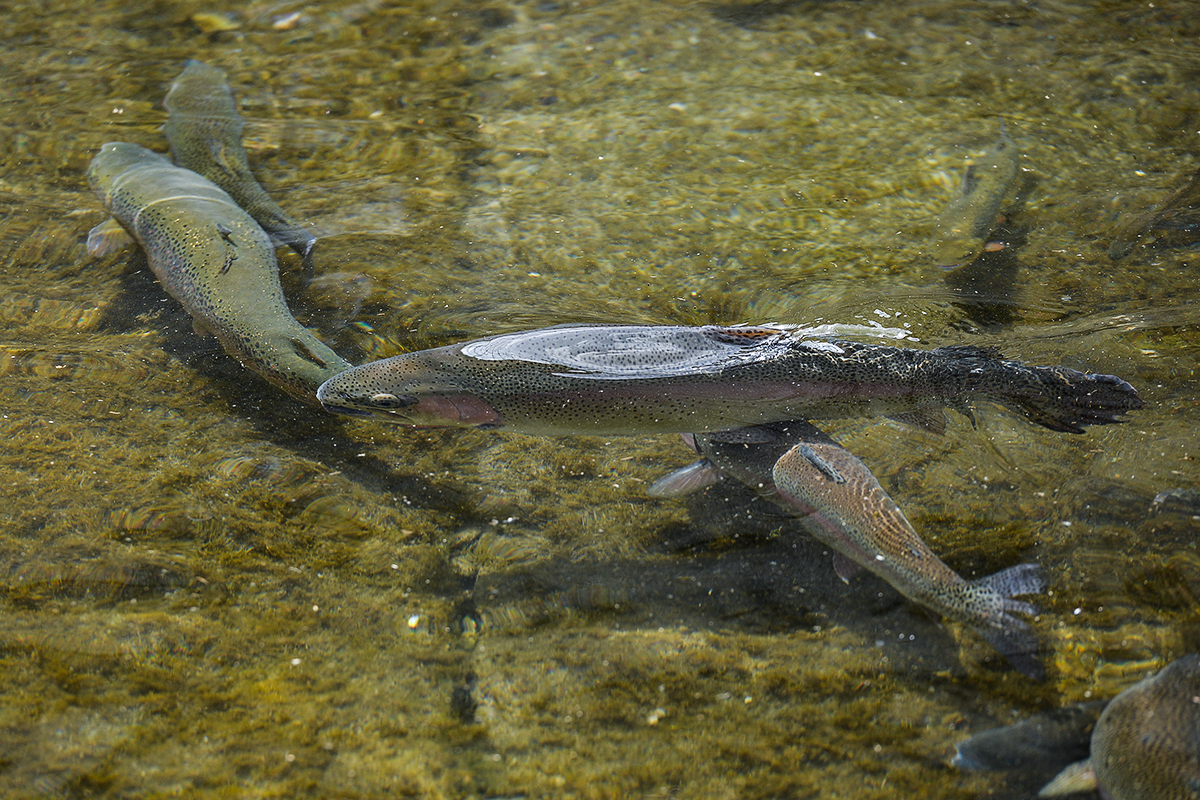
211,590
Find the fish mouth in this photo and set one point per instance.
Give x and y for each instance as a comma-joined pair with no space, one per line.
347,411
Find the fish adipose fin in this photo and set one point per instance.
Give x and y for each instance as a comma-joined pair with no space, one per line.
1012,637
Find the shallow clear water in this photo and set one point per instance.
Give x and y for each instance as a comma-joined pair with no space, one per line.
212,590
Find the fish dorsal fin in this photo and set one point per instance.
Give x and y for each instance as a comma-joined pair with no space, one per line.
692,478
824,467
107,237
748,335
931,419
845,567
969,351
1079,777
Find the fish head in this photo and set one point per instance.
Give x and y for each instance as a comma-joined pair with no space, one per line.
114,161
406,390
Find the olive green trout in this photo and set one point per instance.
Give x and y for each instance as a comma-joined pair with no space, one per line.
963,227
215,260
842,504
204,130
1146,744
673,379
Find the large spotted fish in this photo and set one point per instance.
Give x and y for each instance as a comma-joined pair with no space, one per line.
842,504
1146,744
215,260
663,379
961,231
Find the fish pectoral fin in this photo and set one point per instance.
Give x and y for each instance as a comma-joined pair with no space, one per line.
817,460
931,419
845,567
107,237
218,151
692,478
1079,777
963,406
307,354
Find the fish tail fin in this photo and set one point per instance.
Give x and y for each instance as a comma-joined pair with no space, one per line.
1012,637
1071,399
1058,398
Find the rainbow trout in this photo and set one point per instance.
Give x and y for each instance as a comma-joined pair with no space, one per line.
802,469
215,260
963,227
205,132
673,379
1146,744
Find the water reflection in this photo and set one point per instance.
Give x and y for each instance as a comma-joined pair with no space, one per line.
208,586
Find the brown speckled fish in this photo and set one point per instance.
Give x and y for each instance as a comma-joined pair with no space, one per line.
1146,744
215,260
797,466
672,379
205,132
962,228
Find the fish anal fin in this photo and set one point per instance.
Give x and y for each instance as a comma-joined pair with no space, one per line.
107,237
931,419
692,478
845,567
1079,777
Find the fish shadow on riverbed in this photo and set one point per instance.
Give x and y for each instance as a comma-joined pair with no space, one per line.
740,566
985,289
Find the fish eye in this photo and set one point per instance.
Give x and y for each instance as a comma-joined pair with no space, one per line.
385,400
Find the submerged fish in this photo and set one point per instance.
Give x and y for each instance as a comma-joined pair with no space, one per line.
797,466
1146,744
1176,221
1043,743
215,260
205,132
962,229
664,379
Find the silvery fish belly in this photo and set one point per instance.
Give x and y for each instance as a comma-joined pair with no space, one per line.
215,260
662,379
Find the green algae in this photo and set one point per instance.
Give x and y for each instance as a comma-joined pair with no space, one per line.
212,591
